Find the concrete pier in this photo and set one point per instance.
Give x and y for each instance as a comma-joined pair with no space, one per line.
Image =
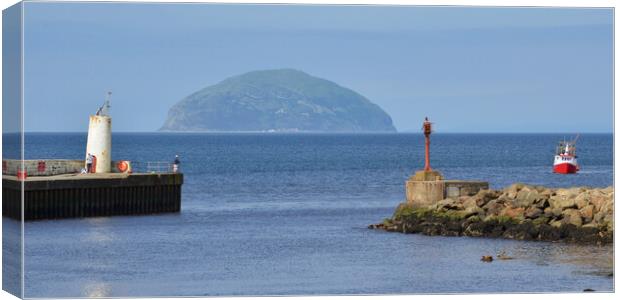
423,193
91,195
426,188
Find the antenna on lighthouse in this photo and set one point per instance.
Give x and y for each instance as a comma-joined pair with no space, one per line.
104,110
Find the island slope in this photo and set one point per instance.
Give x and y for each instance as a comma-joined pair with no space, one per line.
277,100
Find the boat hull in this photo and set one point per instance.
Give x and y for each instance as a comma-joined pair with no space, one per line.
565,168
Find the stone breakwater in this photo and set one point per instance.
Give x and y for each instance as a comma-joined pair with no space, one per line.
524,212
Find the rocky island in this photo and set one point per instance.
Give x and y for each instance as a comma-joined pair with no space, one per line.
277,100
524,212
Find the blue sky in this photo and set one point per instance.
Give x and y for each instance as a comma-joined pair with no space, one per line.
470,69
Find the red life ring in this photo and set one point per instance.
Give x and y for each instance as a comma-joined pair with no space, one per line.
122,166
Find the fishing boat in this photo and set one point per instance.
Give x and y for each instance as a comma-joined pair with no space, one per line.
565,161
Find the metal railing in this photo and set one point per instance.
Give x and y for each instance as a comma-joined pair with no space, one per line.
32,169
152,167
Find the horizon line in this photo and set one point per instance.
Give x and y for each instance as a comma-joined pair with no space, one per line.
327,132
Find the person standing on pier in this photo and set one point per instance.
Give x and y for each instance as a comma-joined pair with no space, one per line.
89,162
176,163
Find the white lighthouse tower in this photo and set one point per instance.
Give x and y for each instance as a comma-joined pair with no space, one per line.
99,143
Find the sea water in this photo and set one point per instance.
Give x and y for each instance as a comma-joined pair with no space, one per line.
287,214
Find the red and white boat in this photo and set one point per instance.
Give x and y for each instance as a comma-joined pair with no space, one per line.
565,158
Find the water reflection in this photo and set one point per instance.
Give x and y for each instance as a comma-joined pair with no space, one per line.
592,260
99,230
100,236
96,290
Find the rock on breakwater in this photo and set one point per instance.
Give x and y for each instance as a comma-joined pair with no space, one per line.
520,211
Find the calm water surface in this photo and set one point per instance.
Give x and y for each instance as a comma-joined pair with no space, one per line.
286,214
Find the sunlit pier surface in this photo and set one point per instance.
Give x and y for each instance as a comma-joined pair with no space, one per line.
91,195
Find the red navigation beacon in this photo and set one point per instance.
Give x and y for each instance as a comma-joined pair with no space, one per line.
427,128
427,174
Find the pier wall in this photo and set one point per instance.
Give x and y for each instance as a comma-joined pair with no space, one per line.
424,193
91,196
421,193
42,167
459,188
47,167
